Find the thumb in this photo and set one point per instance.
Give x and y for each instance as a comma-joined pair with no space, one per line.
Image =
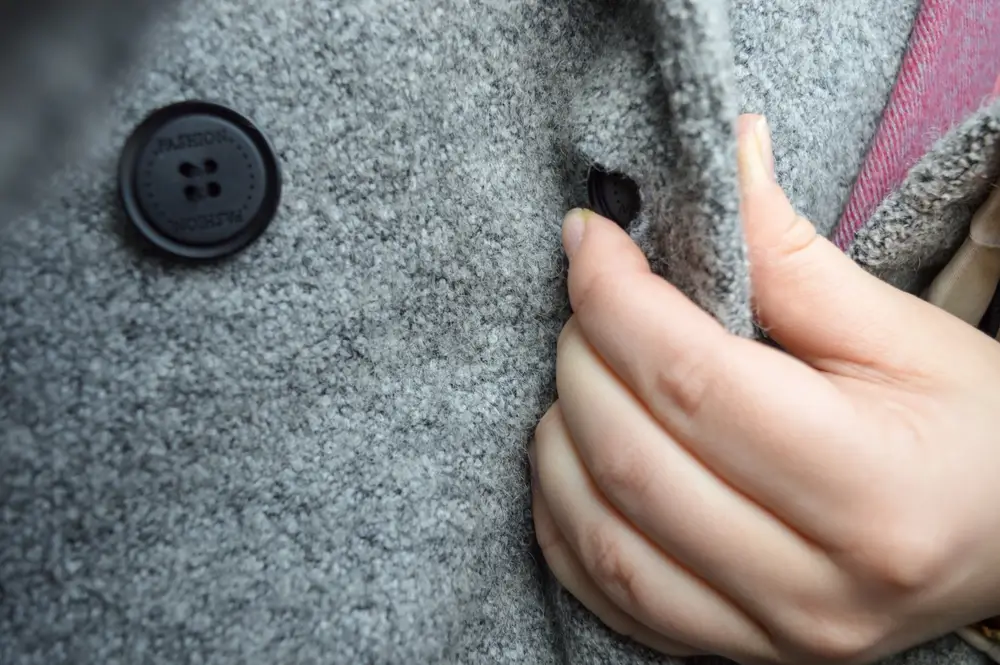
809,296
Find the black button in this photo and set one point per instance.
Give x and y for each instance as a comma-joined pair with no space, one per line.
613,195
199,180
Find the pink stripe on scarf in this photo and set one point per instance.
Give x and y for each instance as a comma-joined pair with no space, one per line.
950,70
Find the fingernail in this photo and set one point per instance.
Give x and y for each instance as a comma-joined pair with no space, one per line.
532,467
572,231
766,143
753,166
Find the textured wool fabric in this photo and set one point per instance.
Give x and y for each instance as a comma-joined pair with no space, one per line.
951,69
824,105
929,214
671,62
314,452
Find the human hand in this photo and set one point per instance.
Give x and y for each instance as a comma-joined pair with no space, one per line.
705,493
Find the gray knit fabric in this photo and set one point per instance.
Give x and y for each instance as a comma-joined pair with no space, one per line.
314,452
929,215
825,103
662,77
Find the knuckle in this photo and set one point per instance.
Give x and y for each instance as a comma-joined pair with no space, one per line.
686,383
606,560
622,470
798,236
822,638
903,558
783,241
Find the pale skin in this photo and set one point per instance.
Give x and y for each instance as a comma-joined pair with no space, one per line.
834,502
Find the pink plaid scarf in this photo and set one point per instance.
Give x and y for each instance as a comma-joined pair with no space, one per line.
951,68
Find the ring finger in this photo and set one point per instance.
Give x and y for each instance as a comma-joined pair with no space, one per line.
637,576
566,568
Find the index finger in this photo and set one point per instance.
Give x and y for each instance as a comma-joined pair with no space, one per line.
765,422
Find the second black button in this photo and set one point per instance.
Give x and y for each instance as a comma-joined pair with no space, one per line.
614,196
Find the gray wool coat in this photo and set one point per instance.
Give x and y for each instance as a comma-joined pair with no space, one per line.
313,452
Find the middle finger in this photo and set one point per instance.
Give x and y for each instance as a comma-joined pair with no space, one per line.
679,503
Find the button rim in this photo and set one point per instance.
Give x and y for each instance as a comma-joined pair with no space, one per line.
598,201
127,174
